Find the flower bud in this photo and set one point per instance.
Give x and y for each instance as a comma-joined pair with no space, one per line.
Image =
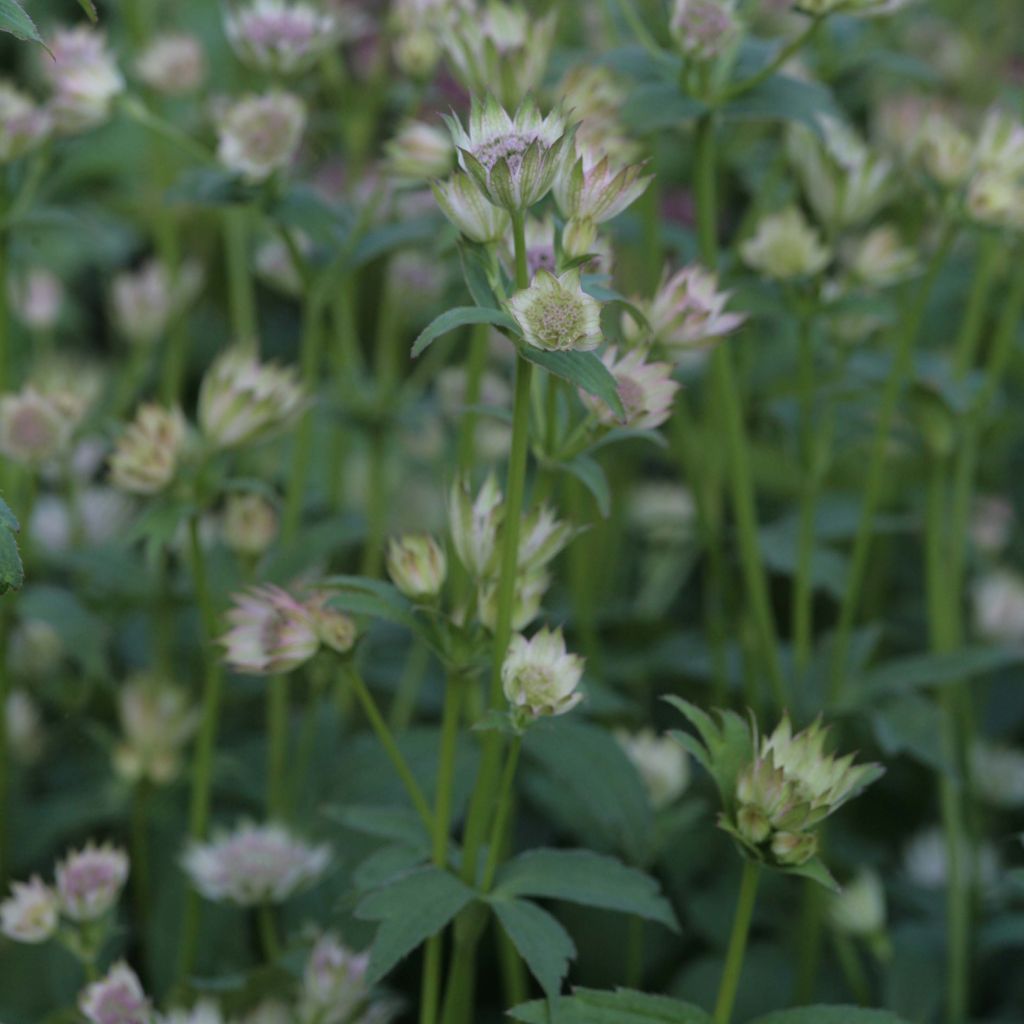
146,458
996,199
791,849
250,524
33,427
242,400
539,677
335,629
593,188
36,298
647,390
541,537
943,150
417,565
703,29
23,124
530,588
271,633
556,314
880,258
280,38
661,762
417,53
31,913
145,301
785,246
117,998
173,64
259,135
420,152
90,880
473,524
84,77
469,210
1000,145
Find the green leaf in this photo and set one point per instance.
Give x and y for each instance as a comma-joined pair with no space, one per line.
584,369
389,237
13,19
582,876
459,317
542,942
361,595
398,823
624,1006
475,272
589,473
660,105
12,572
830,1015
816,871
410,910
785,99
82,632
211,186
90,10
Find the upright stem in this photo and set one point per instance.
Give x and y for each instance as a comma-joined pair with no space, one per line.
4,682
476,364
202,763
902,361
277,745
241,296
803,590
737,942
376,502
503,814
268,932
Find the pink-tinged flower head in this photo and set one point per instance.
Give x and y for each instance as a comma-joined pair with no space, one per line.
473,523
596,189
84,77
688,310
34,428
539,676
254,864
30,914
243,400
116,999
704,28
259,135
145,301
542,536
147,453
36,297
334,981
173,64
23,124
157,721
278,37
90,880
463,203
271,632
647,390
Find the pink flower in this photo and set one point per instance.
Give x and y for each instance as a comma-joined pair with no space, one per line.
334,982
116,999
89,881
271,632
647,390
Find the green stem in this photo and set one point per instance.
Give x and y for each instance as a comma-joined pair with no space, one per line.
376,503
502,815
476,364
277,745
901,365
241,296
140,855
387,741
853,969
966,348
789,50
635,953
803,592
202,759
737,942
268,933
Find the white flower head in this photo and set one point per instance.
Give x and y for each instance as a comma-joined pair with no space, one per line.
34,427
250,524
31,913
943,150
661,762
23,124
117,998
859,909
84,76
593,188
880,258
462,202
271,632
514,160
417,565
556,314
279,37
530,588
542,536
539,676
173,64
473,524
419,152
646,390
147,453
259,135
997,772
703,29
785,246
90,880
157,721
144,301
36,297
254,864
998,599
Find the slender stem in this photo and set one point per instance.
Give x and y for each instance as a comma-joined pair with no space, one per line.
277,745
387,741
503,813
737,942
4,614
376,502
202,760
803,591
853,969
476,364
901,365
268,932
635,953
967,340
140,854
706,189
241,296
789,50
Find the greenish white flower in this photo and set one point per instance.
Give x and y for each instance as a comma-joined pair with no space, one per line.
1000,145
419,152
417,565
539,676
646,390
84,76
250,523
996,199
998,600
944,151
147,454
661,762
785,246
997,773
173,64
259,135
23,124
473,524
31,913
157,721
860,908
593,188
279,37
530,587
514,160
556,314
475,216
880,258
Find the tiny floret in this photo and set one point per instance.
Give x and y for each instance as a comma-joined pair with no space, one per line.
147,454
646,389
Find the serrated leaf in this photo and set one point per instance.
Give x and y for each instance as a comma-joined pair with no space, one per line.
584,369
90,10
460,317
398,823
410,910
15,20
582,876
542,942
624,1006
830,1015
12,572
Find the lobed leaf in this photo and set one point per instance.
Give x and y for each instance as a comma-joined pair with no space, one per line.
624,1006
545,946
460,317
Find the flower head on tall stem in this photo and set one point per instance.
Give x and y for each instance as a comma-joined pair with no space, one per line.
157,721
173,64
539,676
417,565
84,76
271,632
117,998
90,880
594,188
34,427
703,29
556,314
419,152
473,524
333,982
462,202
785,247
24,125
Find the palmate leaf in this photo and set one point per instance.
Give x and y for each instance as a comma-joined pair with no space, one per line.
582,876
14,19
624,1006
545,946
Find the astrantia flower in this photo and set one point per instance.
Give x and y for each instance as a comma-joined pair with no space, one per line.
173,64
84,76
417,565
785,246
146,457
860,908
157,720
243,400
259,135
556,314
500,46
23,124
250,524
204,1012
335,629
145,300
419,152
33,427
1000,145
703,28
998,599
254,864
688,310
997,773
469,210
539,676
944,151
117,998
514,160
334,981
36,297
646,390
997,199
530,587
542,536
278,37
271,632
594,189
30,914
473,524
90,880
660,761
880,258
